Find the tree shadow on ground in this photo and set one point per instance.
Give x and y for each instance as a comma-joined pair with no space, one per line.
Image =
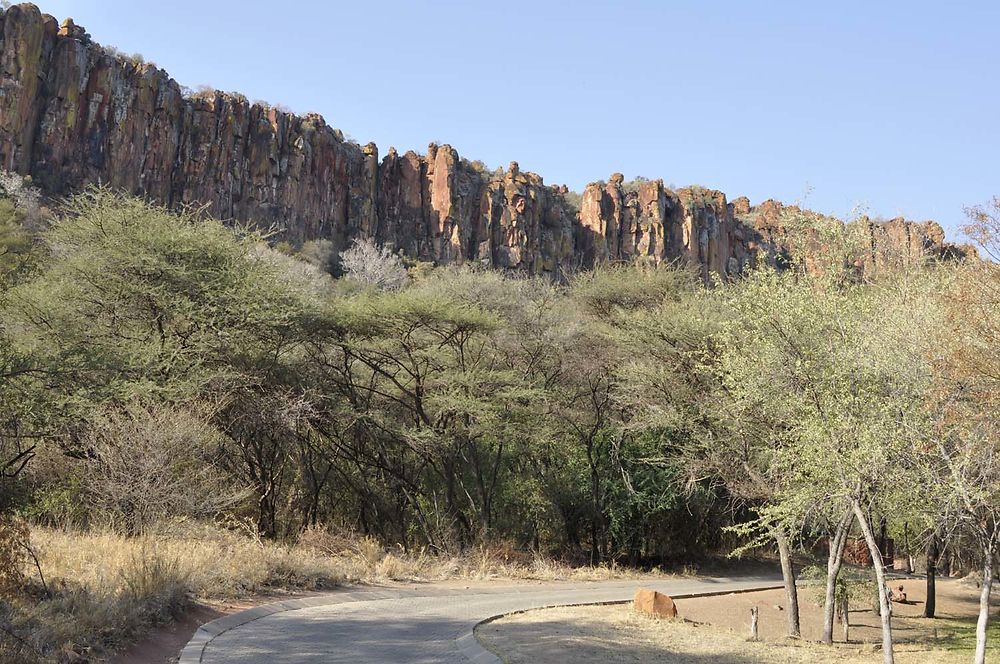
551,640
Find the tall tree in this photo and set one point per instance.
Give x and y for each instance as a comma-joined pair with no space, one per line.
967,348
133,304
823,370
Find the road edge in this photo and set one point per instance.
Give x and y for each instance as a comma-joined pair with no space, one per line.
195,648
474,651
467,643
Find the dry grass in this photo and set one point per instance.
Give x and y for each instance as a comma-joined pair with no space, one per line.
364,560
104,590
617,635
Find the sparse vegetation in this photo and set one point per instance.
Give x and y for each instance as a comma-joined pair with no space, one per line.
574,200
633,185
477,166
201,93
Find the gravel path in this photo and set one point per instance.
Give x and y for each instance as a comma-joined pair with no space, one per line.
420,626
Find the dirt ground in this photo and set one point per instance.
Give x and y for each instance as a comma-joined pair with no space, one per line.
955,599
164,644
715,629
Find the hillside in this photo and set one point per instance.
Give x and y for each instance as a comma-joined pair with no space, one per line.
73,112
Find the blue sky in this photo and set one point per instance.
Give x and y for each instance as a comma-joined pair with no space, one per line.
893,106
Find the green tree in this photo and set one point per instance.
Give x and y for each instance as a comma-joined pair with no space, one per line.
133,304
664,323
20,403
836,375
966,453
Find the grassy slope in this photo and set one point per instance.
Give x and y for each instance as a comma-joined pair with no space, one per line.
102,591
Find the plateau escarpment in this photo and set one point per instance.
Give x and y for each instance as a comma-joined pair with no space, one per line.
74,113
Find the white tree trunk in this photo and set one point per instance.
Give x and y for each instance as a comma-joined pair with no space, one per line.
788,574
883,592
984,608
833,564
845,618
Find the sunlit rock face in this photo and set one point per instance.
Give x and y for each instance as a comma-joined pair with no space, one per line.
73,113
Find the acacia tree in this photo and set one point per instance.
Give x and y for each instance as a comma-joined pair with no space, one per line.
656,324
22,402
435,403
838,388
969,479
135,305
967,441
672,385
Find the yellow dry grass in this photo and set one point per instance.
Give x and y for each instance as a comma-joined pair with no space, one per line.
104,590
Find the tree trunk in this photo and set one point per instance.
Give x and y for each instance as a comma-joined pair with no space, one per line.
834,561
845,617
595,505
883,540
984,607
788,575
906,545
932,561
595,546
885,608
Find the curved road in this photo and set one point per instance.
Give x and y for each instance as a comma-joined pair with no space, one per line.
417,626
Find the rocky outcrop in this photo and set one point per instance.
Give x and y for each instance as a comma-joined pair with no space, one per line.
528,226
655,604
73,113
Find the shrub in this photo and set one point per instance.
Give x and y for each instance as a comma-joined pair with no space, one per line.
19,190
201,93
634,184
319,253
154,463
373,266
13,550
574,200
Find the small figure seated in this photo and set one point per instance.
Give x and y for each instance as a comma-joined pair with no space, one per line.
899,595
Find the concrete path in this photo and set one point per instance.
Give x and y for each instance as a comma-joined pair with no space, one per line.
419,626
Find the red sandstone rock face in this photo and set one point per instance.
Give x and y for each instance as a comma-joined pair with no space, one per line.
647,221
72,114
528,225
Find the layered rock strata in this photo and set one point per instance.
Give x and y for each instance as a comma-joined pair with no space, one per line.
74,113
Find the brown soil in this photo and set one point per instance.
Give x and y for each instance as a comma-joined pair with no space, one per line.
955,599
716,629
163,645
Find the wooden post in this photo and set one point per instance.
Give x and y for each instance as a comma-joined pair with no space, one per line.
754,615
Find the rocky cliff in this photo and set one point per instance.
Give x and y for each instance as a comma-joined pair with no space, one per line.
74,113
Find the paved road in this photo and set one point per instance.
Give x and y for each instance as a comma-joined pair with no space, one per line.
420,626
